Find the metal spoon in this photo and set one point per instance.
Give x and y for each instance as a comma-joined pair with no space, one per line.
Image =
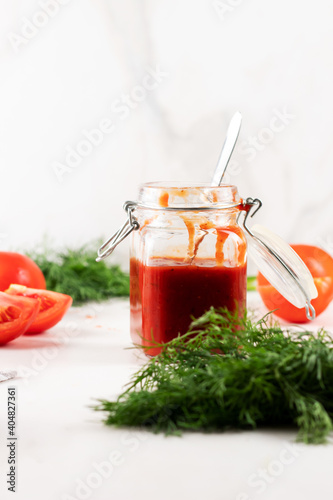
225,155
227,149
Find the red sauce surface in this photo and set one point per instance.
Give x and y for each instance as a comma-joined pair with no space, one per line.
167,294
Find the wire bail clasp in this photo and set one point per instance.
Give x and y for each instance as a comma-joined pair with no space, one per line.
251,207
131,224
254,205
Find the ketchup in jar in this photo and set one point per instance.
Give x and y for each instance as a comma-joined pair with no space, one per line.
187,255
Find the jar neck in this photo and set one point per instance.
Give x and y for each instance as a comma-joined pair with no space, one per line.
170,197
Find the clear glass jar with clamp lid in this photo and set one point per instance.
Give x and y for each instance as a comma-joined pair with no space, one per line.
189,252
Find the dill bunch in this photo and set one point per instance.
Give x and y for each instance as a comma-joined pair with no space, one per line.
227,373
76,273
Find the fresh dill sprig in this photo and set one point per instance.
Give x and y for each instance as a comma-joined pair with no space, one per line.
76,273
251,283
232,373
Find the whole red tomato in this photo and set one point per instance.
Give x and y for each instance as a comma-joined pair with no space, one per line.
17,268
320,265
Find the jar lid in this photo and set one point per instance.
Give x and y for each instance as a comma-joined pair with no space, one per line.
281,266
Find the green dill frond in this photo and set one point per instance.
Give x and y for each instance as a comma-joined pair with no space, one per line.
228,372
76,273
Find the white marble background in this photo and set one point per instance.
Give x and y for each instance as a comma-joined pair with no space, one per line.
67,64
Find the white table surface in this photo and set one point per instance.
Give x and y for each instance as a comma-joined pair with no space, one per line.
62,443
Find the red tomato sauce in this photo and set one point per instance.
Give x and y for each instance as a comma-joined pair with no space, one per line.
167,294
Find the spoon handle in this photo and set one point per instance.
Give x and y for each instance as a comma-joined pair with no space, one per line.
227,149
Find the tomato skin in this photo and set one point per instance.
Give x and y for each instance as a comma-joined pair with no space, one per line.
53,306
18,268
20,313
320,264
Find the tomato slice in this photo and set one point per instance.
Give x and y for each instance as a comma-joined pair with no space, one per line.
16,316
52,306
320,264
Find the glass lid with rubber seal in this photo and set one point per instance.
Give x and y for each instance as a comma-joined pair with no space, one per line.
279,263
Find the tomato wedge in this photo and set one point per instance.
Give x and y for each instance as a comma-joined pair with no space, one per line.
16,316
53,306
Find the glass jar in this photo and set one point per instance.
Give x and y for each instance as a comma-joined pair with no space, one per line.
188,254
